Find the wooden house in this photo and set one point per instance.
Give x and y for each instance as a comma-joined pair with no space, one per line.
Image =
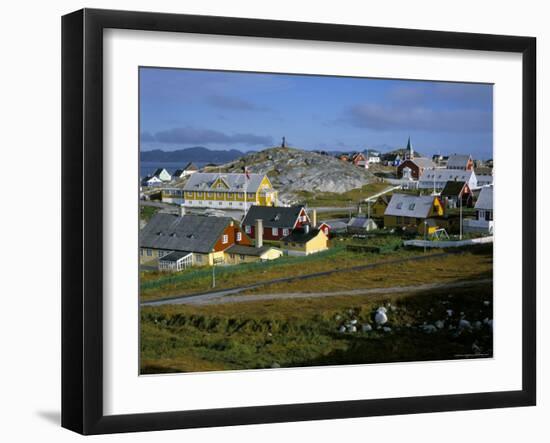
277,221
359,160
378,208
162,174
187,170
436,179
457,193
460,162
408,211
151,180
223,191
246,254
484,213
413,168
305,241
206,238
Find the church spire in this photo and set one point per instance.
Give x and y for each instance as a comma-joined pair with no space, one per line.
410,149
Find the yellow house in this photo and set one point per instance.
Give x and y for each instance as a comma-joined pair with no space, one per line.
223,191
305,241
378,208
246,254
410,211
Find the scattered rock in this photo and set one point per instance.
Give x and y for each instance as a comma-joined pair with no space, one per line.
386,329
439,324
342,329
477,324
429,329
464,324
353,321
275,365
366,327
450,312
380,317
338,317
486,302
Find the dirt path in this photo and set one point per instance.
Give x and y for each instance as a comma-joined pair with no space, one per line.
208,299
212,294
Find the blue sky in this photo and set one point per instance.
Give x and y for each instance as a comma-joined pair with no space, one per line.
250,111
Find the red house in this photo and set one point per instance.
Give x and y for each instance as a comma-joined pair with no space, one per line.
413,168
277,221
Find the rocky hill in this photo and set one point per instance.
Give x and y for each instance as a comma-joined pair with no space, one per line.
291,170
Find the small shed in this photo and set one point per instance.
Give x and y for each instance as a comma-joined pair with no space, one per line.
175,261
360,225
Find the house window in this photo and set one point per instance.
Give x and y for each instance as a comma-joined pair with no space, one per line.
248,229
141,252
399,205
285,232
232,256
411,206
198,258
225,239
239,236
241,257
275,231
149,252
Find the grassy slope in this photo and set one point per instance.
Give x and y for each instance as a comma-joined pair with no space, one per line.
156,285
338,200
304,332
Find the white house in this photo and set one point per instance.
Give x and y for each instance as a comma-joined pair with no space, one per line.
187,170
484,213
436,179
162,174
484,180
152,180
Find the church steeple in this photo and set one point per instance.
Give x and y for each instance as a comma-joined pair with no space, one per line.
410,149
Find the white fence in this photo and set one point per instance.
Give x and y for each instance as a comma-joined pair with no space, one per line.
448,243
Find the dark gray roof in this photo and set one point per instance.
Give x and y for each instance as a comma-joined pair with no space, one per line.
273,216
158,171
408,205
458,161
175,256
485,199
299,235
453,188
178,172
423,162
248,250
203,181
192,233
190,167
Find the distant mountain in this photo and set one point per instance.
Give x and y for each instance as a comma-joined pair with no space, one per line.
197,154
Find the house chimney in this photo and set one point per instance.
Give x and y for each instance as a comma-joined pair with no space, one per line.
181,210
259,233
314,218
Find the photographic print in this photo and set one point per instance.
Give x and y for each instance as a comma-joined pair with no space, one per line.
292,220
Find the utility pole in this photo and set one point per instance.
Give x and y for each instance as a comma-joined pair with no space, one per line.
460,197
425,224
213,274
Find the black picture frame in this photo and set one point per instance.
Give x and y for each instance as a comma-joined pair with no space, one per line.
82,260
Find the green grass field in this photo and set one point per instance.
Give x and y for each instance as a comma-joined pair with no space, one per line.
155,285
305,332
338,200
